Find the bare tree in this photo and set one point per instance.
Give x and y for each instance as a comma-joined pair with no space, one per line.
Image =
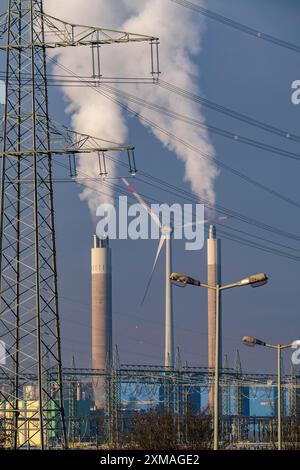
5,435
154,430
159,429
198,430
291,434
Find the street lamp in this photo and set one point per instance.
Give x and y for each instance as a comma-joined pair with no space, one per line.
255,280
250,341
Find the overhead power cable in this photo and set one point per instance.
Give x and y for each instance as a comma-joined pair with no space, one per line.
235,136
163,185
173,190
225,234
199,152
206,156
197,123
202,154
229,112
88,82
238,26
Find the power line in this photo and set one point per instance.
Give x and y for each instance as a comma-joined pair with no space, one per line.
89,82
197,123
206,156
55,80
224,211
226,235
229,112
194,122
222,224
238,239
202,154
238,26
193,148
267,227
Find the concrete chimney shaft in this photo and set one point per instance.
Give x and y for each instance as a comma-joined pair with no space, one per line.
101,312
213,279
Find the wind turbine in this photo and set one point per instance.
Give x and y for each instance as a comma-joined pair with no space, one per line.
165,239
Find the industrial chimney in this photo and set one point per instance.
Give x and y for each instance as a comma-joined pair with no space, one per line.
213,279
101,313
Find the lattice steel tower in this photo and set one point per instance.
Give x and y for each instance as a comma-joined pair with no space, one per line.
29,319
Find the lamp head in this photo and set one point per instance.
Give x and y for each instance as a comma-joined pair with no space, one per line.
256,280
184,279
250,341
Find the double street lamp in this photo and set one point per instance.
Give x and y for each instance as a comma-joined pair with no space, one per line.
255,280
250,341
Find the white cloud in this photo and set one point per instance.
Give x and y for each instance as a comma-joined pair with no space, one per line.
180,34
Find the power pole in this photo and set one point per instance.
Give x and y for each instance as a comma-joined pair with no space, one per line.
29,318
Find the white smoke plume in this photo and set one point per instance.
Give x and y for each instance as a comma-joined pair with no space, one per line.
180,36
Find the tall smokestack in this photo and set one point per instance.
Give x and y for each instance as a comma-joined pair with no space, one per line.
101,312
213,279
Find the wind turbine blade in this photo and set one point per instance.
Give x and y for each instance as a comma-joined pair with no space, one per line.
193,224
224,217
159,248
205,221
146,206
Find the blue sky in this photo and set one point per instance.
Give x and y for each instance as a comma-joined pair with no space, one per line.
252,77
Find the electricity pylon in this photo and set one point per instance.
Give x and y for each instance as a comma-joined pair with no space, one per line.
29,319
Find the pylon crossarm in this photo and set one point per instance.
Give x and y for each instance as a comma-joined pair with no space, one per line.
66,151
66,141
59,33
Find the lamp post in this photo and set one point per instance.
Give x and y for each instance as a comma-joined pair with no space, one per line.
255,280
250,341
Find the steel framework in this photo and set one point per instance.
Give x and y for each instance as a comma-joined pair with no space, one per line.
156,386
29,319
172,390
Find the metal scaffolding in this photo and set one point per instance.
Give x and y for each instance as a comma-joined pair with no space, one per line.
172,389
136,389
